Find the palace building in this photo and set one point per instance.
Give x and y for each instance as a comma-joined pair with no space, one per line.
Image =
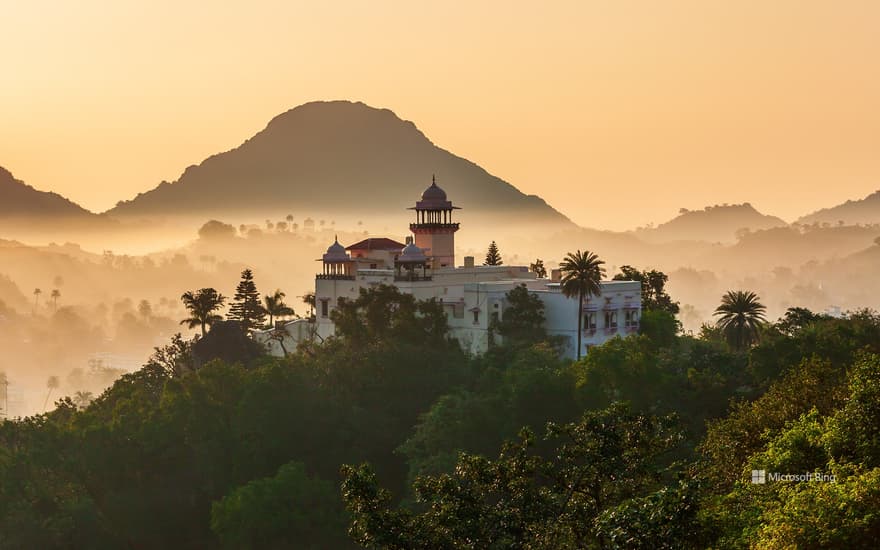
472,295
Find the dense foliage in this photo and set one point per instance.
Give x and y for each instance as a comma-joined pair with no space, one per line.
389,436
654,295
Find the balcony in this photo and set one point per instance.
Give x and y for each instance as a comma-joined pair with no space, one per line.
335,277
414,227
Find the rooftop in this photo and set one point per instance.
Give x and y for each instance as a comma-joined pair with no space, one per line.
377,243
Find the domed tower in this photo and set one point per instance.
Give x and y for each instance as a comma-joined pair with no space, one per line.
337,263
434,229
411,264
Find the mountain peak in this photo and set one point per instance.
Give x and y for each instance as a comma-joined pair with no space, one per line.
334,157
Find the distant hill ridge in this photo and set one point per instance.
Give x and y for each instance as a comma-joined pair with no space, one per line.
718,223
335,156
866,211
19,200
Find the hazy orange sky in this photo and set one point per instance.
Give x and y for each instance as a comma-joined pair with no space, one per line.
617,113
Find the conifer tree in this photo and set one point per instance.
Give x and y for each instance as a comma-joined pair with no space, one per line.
247,307
493,257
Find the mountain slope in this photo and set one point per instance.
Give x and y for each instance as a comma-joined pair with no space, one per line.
866,210
334,157
19,200
712,224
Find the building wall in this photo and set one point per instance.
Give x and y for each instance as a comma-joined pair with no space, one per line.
439,245
482,290
291,335
617,298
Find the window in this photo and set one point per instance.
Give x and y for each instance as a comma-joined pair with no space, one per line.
373,266
631,319
476,317
325,306
590,321
458,311
610,319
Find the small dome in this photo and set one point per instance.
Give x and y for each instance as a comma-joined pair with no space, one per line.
336,248
434,193
336,253
434,198
411,254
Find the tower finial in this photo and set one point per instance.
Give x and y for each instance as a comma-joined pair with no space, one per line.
433,179
336,237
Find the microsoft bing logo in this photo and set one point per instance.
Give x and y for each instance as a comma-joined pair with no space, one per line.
759,476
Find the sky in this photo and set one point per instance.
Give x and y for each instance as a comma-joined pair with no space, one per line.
616,113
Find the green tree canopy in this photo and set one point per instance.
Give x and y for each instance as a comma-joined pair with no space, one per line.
289,510
384,313
522,322
246,307
654,295
216,230
521,499
493,256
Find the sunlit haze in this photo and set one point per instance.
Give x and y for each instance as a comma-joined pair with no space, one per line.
616,113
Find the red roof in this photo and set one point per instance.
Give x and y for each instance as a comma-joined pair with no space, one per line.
379,243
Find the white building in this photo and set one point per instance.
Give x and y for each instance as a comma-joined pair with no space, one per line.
471,295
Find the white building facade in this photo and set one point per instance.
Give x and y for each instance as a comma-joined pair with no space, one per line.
471,295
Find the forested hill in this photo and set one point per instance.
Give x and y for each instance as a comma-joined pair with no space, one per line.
337,157
357,441
862,211
711,224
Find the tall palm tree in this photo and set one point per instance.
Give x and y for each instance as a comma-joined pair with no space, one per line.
741,315
52,384
4,381
37,293
581,276
82,399
55,295
201,305
276,307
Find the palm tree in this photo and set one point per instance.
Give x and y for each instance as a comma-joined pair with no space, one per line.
82,399
309,300
581,276
741,315
201,305
538,269
37,293
55,295
276,307
52,383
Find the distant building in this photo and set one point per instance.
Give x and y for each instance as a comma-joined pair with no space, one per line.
471,295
